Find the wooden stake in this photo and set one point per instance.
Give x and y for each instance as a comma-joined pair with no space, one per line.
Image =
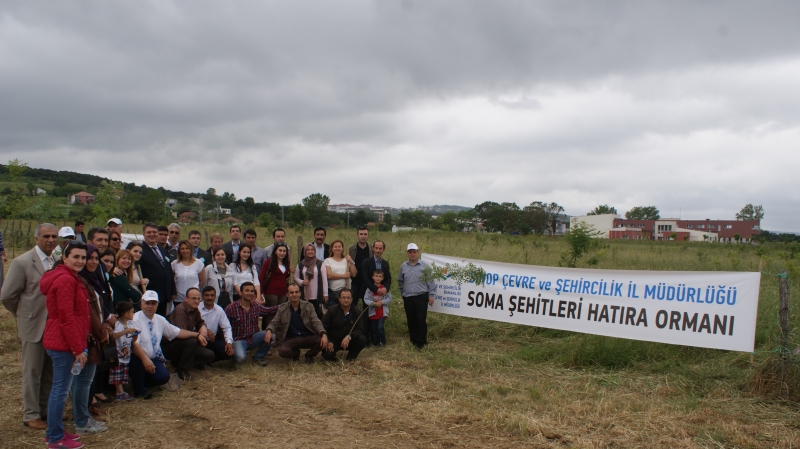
783,312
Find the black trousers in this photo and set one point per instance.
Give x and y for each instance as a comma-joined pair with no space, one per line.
290,348
218,348
353,349
185,353
417,315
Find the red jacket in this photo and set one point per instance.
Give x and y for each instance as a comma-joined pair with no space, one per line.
68,323
277,284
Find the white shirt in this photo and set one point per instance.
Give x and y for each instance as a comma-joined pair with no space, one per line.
336,268
161,328
124,342
44,257
240,277
186,277
216,318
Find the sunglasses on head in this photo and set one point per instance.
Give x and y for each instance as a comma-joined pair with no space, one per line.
75,244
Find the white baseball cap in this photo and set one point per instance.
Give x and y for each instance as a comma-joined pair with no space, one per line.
150,295
412,246
66,231
115,221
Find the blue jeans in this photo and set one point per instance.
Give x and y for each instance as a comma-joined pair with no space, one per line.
141,380
81,386
378,331
62,381
240,347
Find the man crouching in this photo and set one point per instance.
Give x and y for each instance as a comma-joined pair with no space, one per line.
297,326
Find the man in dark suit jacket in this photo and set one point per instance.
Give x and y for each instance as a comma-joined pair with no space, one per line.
322,248
232,247
374,263
199,253
156,269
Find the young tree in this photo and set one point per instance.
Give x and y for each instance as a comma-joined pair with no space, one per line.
750,212
580,240
643,213
603,209
553,211
316,205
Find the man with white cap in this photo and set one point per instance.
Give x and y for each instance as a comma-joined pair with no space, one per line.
115,224
147,367
418,294
65,235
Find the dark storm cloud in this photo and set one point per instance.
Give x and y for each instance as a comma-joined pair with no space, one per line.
512,101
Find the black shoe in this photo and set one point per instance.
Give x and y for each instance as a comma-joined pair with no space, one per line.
200,366
183,375
261,362
145,396
309,360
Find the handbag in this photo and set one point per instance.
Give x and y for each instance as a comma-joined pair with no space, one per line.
110,357
224,299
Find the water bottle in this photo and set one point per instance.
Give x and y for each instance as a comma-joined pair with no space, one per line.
76,368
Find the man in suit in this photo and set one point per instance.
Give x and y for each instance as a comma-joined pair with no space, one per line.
369,265
232,247
22,297
156,269
199,253
359,252
323,249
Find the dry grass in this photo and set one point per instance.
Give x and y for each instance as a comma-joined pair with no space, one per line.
455,394
478,384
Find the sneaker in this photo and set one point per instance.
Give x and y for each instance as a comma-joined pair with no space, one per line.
65,443
67,436
124,397
261,362
92,426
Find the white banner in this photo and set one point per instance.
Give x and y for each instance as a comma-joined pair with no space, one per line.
693,308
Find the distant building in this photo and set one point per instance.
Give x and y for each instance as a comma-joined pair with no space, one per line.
81,198
672,229
341,208
39,191
186,217
171,202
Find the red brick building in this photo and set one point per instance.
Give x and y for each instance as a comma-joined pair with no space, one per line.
688,230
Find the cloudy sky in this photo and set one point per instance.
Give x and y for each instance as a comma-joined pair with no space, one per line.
693,107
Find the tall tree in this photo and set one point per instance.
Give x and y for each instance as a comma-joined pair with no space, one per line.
535,217
643,213
316,205
296,214
504,217
603,209
553,211
750,212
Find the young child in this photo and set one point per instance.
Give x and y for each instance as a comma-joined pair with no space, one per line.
125,336
378,310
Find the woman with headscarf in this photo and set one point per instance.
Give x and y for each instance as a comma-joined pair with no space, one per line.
98,294
313,279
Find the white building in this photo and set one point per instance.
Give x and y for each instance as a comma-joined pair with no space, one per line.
601,223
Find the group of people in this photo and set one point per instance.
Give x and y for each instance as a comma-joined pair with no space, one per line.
92,315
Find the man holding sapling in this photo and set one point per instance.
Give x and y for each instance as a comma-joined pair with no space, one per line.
418,293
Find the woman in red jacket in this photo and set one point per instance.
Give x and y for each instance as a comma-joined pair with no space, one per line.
65,335
274,278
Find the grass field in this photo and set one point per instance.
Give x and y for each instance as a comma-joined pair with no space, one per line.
479,383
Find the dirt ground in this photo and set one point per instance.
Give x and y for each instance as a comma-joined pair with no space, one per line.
453,394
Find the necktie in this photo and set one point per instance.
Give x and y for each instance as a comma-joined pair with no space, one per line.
49,260
158,254
154,342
